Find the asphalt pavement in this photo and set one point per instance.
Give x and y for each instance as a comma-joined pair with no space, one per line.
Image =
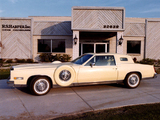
18,103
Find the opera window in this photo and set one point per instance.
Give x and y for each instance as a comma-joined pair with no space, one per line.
133,47
51,45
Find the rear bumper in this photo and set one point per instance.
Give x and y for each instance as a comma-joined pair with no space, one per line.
155,75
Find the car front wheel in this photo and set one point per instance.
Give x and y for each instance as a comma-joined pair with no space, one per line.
40,86
132,80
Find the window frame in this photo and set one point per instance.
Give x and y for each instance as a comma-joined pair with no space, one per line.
107,44
139,46
43,44
123,59
51,41
94,57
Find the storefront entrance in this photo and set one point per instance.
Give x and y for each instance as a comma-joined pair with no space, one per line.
94,48
96,42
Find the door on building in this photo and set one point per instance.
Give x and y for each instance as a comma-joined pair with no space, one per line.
94,48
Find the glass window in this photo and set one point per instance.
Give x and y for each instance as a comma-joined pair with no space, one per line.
44,45
134,47
100,48
58,45
88,48
102,61
82,59
123,59
48,45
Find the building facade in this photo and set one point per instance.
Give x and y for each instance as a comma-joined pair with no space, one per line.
89,29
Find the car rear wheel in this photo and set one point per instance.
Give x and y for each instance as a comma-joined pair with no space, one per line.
132,80
40,86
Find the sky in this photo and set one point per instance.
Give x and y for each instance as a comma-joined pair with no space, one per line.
25,8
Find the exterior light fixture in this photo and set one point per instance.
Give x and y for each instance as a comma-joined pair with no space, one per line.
75,40
120,41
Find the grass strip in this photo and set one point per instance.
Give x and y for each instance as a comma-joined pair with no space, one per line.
137,112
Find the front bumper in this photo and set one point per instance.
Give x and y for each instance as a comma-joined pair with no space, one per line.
10,83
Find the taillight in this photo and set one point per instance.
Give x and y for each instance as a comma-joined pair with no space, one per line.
154,69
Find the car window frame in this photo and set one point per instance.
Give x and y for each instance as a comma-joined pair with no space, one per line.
103,65
123,59
85,61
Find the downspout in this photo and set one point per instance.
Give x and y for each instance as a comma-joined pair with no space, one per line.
145,38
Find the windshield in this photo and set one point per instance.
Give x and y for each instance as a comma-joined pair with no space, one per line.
82,59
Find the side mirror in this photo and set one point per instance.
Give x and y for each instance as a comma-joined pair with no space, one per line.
92,64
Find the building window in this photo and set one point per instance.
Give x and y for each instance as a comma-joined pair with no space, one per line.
58,45
50,45
134,47
44,45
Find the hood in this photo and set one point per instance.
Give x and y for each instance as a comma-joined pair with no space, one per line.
41,65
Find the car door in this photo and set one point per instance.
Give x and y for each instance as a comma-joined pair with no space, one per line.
98,69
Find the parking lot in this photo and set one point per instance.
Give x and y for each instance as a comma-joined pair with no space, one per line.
18,103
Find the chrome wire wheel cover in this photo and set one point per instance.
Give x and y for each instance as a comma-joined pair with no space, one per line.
41,86
133,80
65,75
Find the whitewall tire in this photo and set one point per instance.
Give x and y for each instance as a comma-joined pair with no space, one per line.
40,85
132,80
64,75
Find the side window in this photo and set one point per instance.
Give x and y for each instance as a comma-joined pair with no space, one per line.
123,59
107,60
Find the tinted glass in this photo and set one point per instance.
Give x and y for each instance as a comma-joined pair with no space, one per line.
82,59
58,45
100,48
102,61
134,47
88,48
44,45
123,59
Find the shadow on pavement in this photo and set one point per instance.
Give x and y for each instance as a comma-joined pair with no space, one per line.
24,90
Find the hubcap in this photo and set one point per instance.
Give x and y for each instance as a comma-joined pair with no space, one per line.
41,86
133,80
65,75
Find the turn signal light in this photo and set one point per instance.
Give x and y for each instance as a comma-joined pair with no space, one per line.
18,78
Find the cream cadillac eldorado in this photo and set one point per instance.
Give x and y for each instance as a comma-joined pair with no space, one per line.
87,69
